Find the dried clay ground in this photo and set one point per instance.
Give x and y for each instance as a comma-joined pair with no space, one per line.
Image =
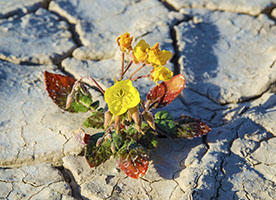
227,53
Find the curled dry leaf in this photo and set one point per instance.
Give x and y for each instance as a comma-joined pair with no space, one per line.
163,94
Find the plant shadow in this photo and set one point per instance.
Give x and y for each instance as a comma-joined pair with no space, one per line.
170,155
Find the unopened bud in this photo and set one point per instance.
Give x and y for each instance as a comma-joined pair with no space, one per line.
149,119
107,119
147,104
99,142
108,136
136,117
117,123
129,116
113,147
70,99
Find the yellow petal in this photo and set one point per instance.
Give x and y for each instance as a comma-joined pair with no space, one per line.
124,41
140,51
121,96
161,73
158,57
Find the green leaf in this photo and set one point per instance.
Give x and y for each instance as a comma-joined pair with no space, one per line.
77,107
163,115
147,138
95,105
129,147
97,155
81,103
116,138
100,110
183,127
96,120
85,100
122,149
165,124
154,143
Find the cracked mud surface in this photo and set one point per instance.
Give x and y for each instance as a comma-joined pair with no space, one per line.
227,52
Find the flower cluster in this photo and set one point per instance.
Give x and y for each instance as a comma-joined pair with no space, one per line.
128,128
123,96
150,56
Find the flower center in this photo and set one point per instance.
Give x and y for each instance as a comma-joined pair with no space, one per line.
120,93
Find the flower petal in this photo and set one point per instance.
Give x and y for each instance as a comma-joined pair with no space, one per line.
140,51
121,96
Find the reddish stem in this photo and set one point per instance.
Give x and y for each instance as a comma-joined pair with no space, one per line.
100,88
143,76
122,69
128,66
137,70
142,104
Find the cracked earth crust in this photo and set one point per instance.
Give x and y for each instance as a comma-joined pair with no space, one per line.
226,52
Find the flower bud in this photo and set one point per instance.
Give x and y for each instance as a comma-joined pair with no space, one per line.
148,103
107,119
113,147
117,123
129,116
149,119
99,142
108,136
136,117
124,42
70,99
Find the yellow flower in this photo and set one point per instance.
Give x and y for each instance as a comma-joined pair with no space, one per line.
158,57
121,96
124,41
161,73
140,51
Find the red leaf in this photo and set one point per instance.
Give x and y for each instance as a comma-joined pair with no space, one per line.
86,138
163,94
134,166
188,127
58,87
